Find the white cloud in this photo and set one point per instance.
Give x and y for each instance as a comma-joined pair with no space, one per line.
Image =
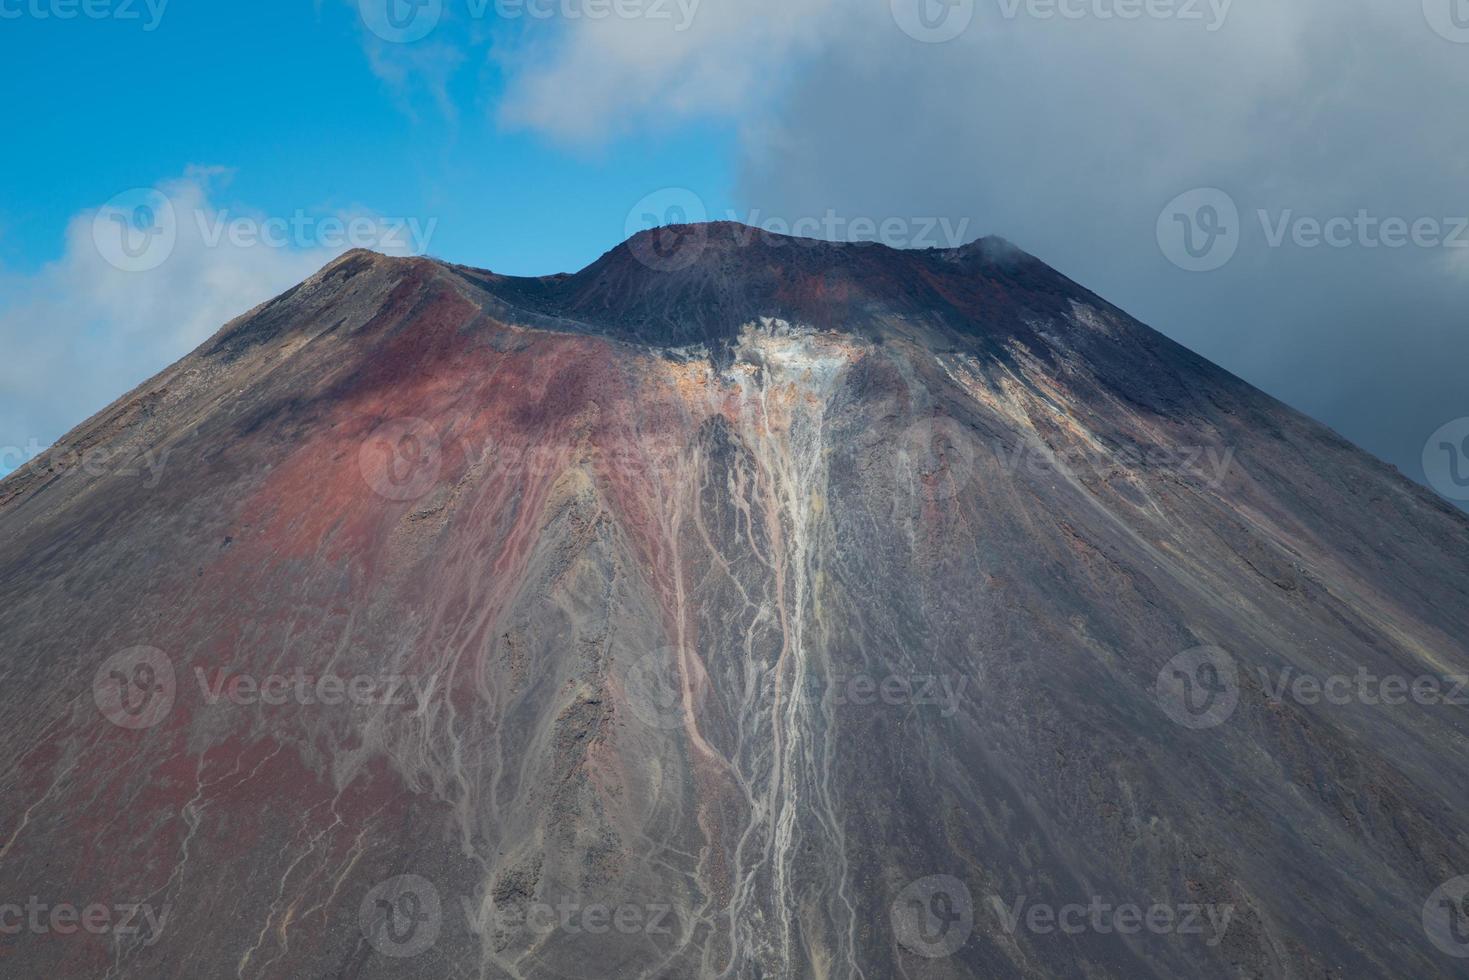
80,332
594,78
582,71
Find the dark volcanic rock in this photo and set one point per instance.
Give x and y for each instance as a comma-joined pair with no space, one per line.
736,607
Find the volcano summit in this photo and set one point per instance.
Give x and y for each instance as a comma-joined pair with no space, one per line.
740,607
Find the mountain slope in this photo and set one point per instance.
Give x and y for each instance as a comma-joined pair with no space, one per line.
746,607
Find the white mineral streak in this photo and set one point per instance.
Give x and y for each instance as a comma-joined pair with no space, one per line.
783,378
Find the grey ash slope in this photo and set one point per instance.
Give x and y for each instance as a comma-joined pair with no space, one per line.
636,476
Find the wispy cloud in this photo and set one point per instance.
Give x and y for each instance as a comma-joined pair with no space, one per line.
593,79
584,71
88,327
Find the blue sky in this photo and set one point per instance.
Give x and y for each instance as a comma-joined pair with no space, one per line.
526,144
285,97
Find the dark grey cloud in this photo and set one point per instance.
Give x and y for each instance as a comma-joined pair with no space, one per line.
1070,137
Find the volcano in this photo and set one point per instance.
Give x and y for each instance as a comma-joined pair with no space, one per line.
742,607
